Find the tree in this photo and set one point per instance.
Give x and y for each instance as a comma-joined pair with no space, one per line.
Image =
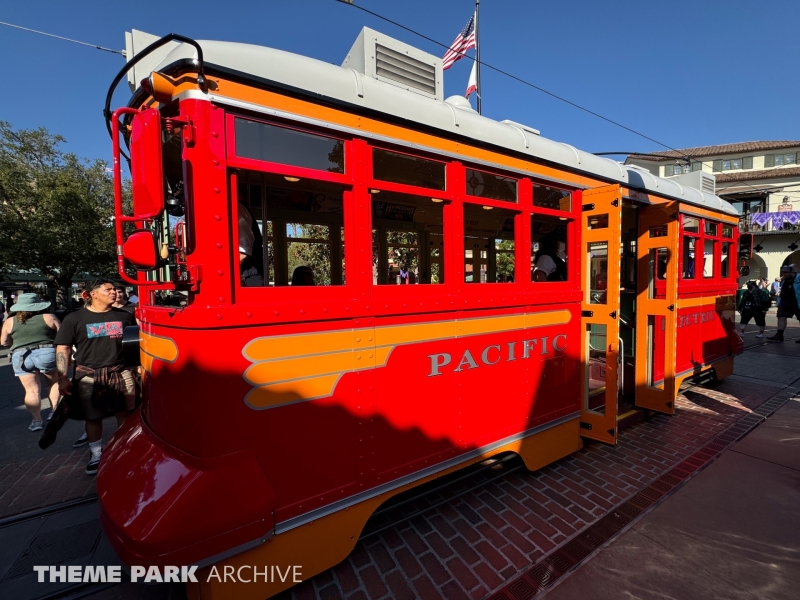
56,210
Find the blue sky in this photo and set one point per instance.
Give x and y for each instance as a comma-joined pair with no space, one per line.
686,74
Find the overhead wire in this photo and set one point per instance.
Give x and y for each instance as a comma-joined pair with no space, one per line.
52,35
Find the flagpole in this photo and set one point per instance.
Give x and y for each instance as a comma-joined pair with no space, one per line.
477,56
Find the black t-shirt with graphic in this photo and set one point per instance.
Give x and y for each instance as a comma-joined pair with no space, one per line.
97,336
788,297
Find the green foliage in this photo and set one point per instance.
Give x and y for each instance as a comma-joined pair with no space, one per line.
314,255
505,260
56,210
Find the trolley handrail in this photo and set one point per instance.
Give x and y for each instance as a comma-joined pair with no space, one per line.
201,79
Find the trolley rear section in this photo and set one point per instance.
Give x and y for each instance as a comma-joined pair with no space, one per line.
339,304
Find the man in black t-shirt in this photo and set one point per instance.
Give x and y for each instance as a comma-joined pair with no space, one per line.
101,384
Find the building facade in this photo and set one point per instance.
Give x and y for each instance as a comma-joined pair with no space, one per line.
761,179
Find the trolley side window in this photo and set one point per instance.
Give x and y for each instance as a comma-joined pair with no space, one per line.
275,144
489,244
692,244
553,198
725,265
297,231
489,185
549,243
709,250
689,256
407,238
405,169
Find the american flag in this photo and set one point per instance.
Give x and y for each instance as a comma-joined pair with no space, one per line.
463,42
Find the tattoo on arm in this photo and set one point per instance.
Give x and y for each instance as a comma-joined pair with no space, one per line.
62,360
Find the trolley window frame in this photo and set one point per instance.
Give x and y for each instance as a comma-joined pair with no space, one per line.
357,223
701,285
285,296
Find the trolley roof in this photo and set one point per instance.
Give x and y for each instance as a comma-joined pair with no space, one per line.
349,85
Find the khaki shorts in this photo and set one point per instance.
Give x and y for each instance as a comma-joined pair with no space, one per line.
83,391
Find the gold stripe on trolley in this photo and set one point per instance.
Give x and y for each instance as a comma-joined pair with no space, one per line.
307,366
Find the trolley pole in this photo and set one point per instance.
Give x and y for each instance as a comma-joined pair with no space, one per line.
477,56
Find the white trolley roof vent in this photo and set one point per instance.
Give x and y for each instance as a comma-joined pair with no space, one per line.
386,59
699,180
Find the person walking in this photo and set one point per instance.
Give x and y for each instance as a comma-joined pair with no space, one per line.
31,333
775,289
753,305
102,385
787,300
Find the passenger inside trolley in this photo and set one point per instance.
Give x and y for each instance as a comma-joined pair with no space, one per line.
303,226
303,275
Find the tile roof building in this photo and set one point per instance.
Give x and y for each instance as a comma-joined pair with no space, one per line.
761,179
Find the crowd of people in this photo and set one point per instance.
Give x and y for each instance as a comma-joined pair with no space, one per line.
80,361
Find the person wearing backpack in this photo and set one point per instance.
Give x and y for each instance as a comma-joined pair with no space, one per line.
754,305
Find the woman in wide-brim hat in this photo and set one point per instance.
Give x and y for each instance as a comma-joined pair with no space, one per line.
30,333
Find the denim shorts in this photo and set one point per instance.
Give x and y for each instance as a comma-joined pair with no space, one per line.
26,362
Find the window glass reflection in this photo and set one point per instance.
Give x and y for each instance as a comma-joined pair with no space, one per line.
691,224
271,143
553,198
407,170
489,185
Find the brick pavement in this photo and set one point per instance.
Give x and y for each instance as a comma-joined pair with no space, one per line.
474,544
37,482
31,478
